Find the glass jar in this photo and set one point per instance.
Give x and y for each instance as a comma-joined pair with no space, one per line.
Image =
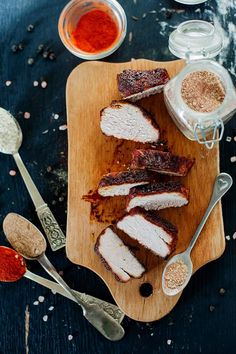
197,42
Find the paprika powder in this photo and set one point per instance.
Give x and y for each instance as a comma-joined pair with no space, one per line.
95,31
12,265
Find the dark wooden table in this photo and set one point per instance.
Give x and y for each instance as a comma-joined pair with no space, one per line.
204,321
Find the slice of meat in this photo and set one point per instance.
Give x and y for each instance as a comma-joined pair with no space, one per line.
156,196
125,120
162,162
154,233
120,183
117,257
136,84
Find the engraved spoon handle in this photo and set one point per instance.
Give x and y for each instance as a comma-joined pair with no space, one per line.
105,324
222,184
53,231
111,309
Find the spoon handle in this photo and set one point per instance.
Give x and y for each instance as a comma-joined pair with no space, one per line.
104,323
223,182
111,309
53,231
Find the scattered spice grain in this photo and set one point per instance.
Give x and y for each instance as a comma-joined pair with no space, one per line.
233,158
228,139
8,83
14,48
211,308
21,46
27,115
234,236
45,318
175,275
44,84
12,172
30,28
222,291
134,18
35,83
202,91
30,61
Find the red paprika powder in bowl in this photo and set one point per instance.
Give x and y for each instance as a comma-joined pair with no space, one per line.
92,29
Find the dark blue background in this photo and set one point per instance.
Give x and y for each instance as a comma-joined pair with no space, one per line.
191,326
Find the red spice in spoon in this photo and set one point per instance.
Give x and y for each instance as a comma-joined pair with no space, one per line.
95,31
12,265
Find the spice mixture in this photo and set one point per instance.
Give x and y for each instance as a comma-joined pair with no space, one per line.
175,275
12,265
23,236
96,31
10,136
202,91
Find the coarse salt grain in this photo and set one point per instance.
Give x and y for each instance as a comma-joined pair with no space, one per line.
233,158
12,172
228,139
8,83
56,116
45,131
63,127
234,236
41,298
45,318
51,308
169,341
36,303
227,237
234,138
70,337
35,83
27,115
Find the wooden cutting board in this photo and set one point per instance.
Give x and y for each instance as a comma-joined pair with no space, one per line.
90,87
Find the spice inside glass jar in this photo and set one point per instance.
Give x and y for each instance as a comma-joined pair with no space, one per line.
202,91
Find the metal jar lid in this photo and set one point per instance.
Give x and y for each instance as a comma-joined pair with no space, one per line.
195,39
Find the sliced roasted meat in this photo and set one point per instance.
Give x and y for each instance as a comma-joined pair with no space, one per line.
125,120
151,231
162,162
136,84
120,183
117,257
155,196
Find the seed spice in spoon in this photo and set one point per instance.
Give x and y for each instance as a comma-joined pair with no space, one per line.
24,237
175,275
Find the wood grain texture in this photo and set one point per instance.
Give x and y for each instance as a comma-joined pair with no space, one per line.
90,87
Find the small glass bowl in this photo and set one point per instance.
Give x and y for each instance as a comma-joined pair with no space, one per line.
75,9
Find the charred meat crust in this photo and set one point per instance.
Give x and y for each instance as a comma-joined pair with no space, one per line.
119,103
158,188
162,162
155,219
129,176
131,82
96,249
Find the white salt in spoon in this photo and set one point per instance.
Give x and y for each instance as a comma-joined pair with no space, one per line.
10,142
27,240
222,184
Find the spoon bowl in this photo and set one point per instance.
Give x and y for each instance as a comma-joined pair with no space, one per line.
10,133
184,258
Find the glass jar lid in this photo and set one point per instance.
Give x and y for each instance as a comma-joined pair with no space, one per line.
195,39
